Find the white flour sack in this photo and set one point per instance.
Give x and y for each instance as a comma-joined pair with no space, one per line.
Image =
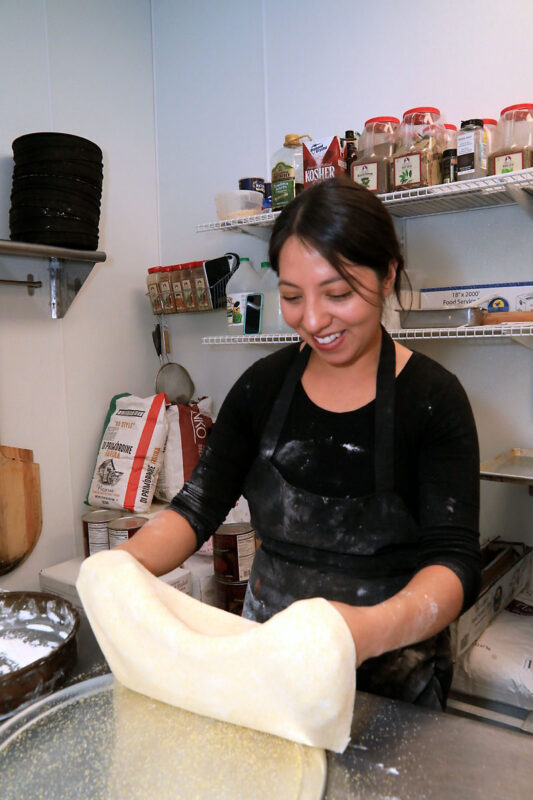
188,430
130,454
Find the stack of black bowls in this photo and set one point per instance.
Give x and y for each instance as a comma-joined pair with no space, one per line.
56,190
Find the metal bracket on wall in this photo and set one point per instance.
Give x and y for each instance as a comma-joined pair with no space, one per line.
522,197
68,270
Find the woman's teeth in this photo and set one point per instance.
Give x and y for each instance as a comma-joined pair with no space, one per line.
327,339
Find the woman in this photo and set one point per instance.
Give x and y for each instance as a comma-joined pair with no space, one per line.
358,457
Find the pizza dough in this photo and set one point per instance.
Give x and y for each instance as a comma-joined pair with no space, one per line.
292,676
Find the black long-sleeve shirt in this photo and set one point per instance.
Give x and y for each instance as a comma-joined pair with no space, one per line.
330,453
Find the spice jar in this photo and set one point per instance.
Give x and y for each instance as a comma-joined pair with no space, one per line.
514,150
200,285
471,150
491,128
189,295
449,156
179,299
167,294
420,138
376,146
154,290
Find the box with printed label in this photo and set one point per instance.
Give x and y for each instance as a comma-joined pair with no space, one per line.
492,296
506,571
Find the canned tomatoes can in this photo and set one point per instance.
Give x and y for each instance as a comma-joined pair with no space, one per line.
233,552
122,529
230,596
95,533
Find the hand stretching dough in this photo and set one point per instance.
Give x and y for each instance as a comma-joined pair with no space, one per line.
292,676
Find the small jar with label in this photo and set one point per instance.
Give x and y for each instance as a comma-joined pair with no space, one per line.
187,283
154,289
491,129
175,279
167,294
372,168
471,150
514,150
200,286
449,156
420,145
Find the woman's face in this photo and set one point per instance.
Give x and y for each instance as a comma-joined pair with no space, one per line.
339,323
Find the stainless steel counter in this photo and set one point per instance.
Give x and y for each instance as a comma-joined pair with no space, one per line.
400,752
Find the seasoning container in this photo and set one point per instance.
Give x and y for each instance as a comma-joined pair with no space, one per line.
234,548
189,295
167,293
471,150
123,528
154,290
420,145
449,156
514,150
491,129
372,168
200,285
175,279
95,529
349,149
288,170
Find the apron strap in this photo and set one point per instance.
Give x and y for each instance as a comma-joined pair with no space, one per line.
384,416
275,422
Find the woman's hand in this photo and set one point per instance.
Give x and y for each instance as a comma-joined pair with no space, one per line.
431,600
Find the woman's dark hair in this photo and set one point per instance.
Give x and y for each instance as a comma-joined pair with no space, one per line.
345,223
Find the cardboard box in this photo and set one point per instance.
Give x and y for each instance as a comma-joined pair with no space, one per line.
506,570
493,296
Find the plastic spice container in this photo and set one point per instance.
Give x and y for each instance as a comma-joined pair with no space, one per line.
515,140
372,168
200,285
175,277
167,294
471,150
189,295
450,136
154,290
420,144
491,128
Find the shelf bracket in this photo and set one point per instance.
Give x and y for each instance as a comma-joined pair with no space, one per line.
521,197
66,279
525,341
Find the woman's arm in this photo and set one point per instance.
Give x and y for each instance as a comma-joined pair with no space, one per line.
163,543
426,605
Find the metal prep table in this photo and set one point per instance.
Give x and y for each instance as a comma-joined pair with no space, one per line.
400,752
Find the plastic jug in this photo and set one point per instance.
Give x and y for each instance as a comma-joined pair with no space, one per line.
243,281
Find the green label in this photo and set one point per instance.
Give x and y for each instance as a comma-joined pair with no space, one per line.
283,184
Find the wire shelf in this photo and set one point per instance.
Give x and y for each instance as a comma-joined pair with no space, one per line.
506,330
494,190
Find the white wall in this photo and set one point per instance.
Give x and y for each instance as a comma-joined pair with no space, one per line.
233,77
83,68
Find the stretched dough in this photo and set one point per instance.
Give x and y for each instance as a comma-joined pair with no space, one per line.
292,676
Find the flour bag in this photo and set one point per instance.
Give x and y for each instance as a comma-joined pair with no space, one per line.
130,454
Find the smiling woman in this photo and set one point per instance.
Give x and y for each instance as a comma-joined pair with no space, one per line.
349,449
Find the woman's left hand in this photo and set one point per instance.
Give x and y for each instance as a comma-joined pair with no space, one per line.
426,605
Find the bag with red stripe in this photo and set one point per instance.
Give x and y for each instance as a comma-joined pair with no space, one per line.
130,454
188,430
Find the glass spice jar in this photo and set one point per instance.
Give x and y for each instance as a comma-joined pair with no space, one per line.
417,160
376,146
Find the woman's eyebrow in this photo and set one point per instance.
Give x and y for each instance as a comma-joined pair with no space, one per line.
322,283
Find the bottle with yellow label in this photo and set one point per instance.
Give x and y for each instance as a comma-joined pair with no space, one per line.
288,171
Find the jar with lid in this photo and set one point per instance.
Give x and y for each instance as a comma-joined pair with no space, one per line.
420,144
179,299
349,149
189,295
514,150
200,285
167,294
471,150
154,290
449,156
376,146
491,129
288,170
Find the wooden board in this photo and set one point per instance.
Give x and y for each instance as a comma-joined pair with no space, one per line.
20,506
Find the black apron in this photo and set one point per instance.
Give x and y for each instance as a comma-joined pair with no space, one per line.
356,550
